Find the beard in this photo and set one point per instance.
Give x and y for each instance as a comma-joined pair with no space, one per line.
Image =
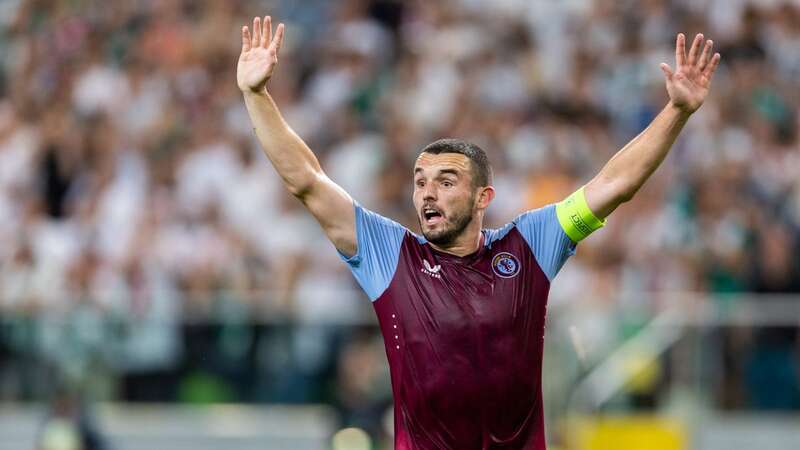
452,229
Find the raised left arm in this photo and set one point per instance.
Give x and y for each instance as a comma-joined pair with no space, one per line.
626,171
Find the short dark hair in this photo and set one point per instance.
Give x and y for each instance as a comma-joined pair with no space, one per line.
482,171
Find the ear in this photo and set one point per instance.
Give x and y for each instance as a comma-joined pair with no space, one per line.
484,197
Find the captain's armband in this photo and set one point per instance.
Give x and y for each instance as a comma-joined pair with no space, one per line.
575,217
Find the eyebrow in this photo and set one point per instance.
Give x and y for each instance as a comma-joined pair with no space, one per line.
441,172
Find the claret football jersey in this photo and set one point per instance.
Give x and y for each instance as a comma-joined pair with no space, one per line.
463,335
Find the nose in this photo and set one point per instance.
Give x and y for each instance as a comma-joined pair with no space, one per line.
429,192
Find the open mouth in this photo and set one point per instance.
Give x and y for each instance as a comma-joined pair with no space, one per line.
432,216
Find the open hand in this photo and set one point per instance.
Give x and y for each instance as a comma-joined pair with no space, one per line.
259,55
688,85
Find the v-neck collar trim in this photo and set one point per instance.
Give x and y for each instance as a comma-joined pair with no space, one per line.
466,259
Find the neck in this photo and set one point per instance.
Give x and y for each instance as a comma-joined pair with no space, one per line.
467,242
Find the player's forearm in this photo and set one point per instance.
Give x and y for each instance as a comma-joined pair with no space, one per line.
628,169
293,160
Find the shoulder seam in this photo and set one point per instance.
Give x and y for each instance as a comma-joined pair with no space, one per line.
390,280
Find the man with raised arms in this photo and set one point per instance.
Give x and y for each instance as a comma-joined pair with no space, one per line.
462,308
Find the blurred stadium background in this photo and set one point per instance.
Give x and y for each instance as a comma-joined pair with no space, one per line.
159,289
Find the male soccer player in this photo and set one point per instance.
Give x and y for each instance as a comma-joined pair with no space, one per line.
462,308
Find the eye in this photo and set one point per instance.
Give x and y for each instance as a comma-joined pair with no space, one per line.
420,183
447,183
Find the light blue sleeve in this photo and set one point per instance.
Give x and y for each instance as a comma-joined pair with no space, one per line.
378,242
549,243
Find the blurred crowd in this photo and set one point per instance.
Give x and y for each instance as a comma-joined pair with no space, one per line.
132,188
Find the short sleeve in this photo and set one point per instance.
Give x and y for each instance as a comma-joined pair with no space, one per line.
378,242
549,243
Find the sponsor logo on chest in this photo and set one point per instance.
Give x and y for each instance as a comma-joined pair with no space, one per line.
432,271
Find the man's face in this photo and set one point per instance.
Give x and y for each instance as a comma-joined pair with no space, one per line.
444,196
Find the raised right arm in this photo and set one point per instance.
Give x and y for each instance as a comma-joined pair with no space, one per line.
297,165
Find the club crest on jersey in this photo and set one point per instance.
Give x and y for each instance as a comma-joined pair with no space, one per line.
505,265
431,270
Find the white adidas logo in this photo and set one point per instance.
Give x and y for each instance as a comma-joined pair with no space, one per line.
432,271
